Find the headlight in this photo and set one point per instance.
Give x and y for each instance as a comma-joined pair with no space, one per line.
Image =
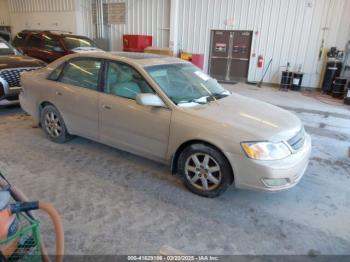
266,150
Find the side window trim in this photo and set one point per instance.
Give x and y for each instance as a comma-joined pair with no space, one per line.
102,76
66,66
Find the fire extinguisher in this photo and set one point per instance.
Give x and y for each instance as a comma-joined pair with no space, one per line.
260,61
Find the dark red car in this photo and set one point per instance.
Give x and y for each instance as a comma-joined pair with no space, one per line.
49,45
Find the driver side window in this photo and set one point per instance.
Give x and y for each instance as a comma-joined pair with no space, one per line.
50,43
124,81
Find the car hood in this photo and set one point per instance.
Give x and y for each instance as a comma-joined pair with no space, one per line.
17,61
86,50
253,119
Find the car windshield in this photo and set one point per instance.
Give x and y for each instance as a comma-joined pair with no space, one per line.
186,85
6,49
73,42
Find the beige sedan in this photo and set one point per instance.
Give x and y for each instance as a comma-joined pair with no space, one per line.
167,110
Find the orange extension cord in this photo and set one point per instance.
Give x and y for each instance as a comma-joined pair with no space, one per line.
56,220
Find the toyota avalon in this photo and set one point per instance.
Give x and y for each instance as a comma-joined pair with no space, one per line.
167,110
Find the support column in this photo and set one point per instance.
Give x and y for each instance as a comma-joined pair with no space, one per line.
174,28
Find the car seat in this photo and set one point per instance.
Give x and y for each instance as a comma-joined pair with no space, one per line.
120,82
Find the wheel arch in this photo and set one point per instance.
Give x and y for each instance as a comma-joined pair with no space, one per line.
186,144
41,107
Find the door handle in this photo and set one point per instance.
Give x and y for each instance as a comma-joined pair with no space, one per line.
58,93
107,107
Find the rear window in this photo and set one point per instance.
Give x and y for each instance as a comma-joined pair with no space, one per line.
73,42
19,39
6,49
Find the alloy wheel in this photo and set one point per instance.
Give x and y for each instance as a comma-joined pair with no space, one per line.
53,124
203,172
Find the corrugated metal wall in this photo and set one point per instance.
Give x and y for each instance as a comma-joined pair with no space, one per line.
22,6
148,17
43,15
286,30
84,18
4,16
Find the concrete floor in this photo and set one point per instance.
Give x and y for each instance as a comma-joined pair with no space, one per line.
113,202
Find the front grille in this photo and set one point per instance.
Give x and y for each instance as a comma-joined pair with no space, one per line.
297,141
12,76
2,91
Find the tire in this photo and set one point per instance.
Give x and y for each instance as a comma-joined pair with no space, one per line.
199,163
53,125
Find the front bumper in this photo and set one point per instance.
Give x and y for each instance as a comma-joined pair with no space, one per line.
253,174
7,92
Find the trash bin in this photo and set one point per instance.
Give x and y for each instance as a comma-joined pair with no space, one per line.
297,81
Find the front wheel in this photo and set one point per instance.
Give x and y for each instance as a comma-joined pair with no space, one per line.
53,125
204,170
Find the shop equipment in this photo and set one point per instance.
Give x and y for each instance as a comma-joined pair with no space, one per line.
297,79
159,51
286,79
339,86
136,43
19,230
347,95
334,67
196,59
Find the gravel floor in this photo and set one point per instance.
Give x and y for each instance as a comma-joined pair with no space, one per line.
113,202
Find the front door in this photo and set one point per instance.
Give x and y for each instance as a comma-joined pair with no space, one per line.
230,55
125,124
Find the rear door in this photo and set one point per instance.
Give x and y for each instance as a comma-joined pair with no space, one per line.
240,56
76,96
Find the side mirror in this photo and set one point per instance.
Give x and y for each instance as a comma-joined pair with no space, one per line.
57,49
149,100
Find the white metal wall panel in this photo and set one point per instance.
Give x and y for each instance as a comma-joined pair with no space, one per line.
4,9
43,15
146,17
24,6
284,30
84,17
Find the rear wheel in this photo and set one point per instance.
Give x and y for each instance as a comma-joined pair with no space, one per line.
53,125
204,170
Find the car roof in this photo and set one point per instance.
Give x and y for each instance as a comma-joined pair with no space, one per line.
141,59
52,32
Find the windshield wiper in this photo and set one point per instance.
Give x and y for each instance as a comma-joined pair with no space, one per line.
220,95
197,101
